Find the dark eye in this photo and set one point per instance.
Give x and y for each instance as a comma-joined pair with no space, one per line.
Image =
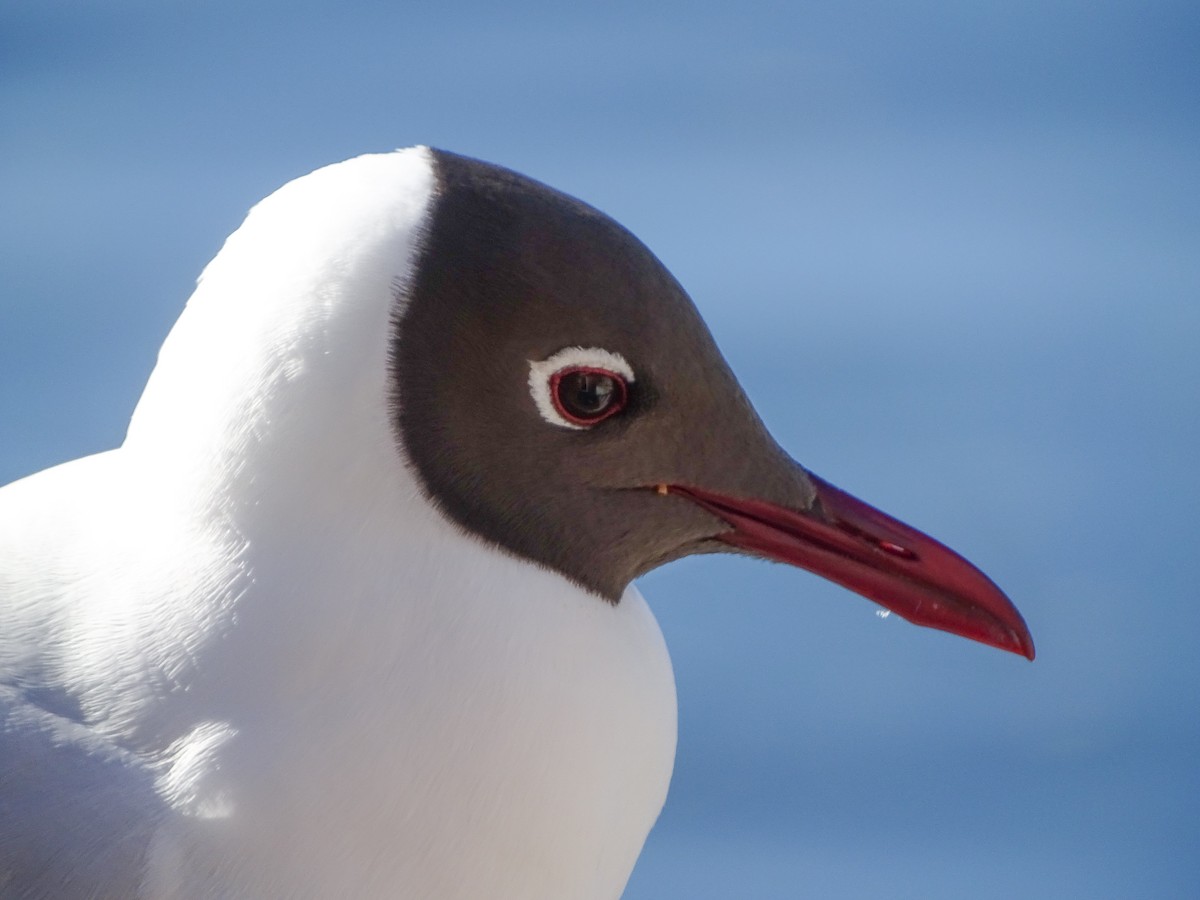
585,396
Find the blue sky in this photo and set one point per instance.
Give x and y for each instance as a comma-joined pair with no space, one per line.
953,252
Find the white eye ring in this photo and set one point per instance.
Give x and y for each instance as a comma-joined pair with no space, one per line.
542,372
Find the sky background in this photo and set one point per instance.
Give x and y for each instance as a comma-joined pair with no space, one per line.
951,249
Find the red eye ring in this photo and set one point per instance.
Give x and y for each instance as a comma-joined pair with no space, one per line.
587,395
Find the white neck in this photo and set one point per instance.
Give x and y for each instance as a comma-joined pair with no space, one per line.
364,700
423,711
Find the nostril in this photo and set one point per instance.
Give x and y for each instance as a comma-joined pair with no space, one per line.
895,550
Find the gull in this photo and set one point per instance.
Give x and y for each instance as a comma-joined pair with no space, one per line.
350,612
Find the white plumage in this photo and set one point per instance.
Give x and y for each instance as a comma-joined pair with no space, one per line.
243,656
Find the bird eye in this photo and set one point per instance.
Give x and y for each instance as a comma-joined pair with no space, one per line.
578,387
585,396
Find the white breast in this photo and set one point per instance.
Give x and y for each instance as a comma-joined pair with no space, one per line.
463,726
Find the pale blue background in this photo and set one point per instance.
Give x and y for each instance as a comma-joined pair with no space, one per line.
953,251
